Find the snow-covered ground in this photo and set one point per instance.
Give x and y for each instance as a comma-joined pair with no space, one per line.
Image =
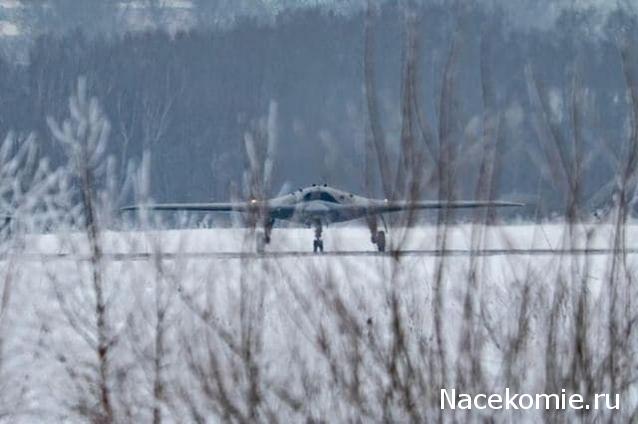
338,238
322,338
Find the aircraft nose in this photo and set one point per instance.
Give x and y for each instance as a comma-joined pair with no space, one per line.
313,208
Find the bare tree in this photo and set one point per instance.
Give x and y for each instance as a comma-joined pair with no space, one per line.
84,136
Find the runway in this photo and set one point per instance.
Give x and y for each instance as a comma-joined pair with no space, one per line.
145,256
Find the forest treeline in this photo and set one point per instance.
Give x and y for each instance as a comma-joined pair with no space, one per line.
190,97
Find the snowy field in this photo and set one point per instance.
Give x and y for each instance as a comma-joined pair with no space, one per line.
336,238
296,339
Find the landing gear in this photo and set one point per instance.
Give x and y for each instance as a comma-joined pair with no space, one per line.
377,236
268,229
263,237
381,241
261,242
317,244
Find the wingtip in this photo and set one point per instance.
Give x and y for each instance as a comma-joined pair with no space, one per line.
512,204
129,208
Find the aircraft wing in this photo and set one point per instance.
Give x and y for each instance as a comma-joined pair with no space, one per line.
203,207
253,206
382,206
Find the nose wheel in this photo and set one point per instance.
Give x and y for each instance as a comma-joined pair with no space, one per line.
261,243
381,241
378,238
317,244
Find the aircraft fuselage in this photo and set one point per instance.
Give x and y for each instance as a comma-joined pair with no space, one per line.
318,204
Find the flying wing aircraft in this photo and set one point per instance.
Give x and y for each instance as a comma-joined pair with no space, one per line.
319,205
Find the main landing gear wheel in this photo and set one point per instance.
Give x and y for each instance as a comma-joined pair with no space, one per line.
381,241
377,237
263,237
261,242
317,244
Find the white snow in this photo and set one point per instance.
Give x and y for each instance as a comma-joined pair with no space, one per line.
212,303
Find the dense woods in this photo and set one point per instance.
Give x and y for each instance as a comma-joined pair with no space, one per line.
191,95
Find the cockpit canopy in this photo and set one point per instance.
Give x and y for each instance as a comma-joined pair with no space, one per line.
319,195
